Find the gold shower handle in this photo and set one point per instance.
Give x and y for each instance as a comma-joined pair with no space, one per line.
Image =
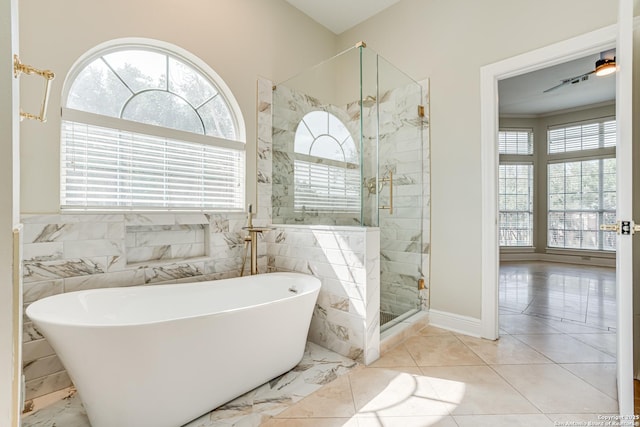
47,75
390,181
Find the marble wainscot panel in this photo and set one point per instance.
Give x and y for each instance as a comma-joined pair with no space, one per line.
319,366
70,252
347,261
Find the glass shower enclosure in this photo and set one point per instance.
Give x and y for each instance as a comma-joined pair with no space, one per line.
348,151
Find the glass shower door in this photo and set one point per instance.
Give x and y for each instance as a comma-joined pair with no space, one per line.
400,192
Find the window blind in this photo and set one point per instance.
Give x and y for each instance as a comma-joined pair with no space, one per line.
106,168
326,187
582,136
516,141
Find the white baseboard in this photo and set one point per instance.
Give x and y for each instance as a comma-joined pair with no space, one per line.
455,323
562,258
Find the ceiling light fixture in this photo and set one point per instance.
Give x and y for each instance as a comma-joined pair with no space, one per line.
604,67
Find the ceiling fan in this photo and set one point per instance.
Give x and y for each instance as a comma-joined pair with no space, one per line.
604,66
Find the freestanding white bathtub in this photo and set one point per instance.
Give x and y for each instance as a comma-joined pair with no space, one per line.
162,355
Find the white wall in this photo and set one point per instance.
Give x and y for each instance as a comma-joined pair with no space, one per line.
239,39
448,41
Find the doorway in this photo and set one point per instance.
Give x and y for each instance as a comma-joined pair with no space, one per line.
556,186
569,50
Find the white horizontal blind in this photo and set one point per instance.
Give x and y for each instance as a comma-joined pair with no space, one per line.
582,136
516,141
106,168
326,187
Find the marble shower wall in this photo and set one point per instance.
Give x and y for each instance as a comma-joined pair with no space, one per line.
64,253
289,107
403,149
346,259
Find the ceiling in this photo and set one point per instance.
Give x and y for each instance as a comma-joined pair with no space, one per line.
524,94
341,15
519,96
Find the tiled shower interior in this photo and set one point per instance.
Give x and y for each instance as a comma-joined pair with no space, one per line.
69,252
391,142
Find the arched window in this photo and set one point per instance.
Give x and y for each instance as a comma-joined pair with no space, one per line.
326,171
145,127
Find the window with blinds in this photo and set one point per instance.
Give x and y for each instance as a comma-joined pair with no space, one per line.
582,136
110,168
146,129
325,187
515,187
581,183
326,173
515,141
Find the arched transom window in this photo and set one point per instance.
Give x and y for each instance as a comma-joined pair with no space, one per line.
326,171
146,128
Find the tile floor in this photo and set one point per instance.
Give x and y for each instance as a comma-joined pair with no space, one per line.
549,368
553,365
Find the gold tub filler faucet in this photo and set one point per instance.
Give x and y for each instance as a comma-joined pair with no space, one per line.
251,240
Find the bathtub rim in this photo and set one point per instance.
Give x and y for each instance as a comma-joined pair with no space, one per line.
315,286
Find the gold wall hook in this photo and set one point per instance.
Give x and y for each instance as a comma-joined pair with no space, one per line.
47,75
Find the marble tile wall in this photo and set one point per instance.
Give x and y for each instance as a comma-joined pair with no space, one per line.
64,253
403,150
347,261
289,107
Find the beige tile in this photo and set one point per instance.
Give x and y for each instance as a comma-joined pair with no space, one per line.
397,356
333,400
311,422
524,324
387,393
503,421
605,342
583,419
476,390
553,389
441,350
600,375
506,350
565,349
423,421
433,330
568,327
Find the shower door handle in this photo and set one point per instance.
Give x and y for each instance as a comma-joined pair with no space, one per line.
390,181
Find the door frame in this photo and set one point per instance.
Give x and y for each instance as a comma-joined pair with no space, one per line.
568,50
10,291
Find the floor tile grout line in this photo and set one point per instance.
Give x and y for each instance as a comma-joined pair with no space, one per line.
585,381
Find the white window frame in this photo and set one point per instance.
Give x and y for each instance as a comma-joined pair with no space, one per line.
77,116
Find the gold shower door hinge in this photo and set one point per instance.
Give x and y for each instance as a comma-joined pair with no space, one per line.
421,110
